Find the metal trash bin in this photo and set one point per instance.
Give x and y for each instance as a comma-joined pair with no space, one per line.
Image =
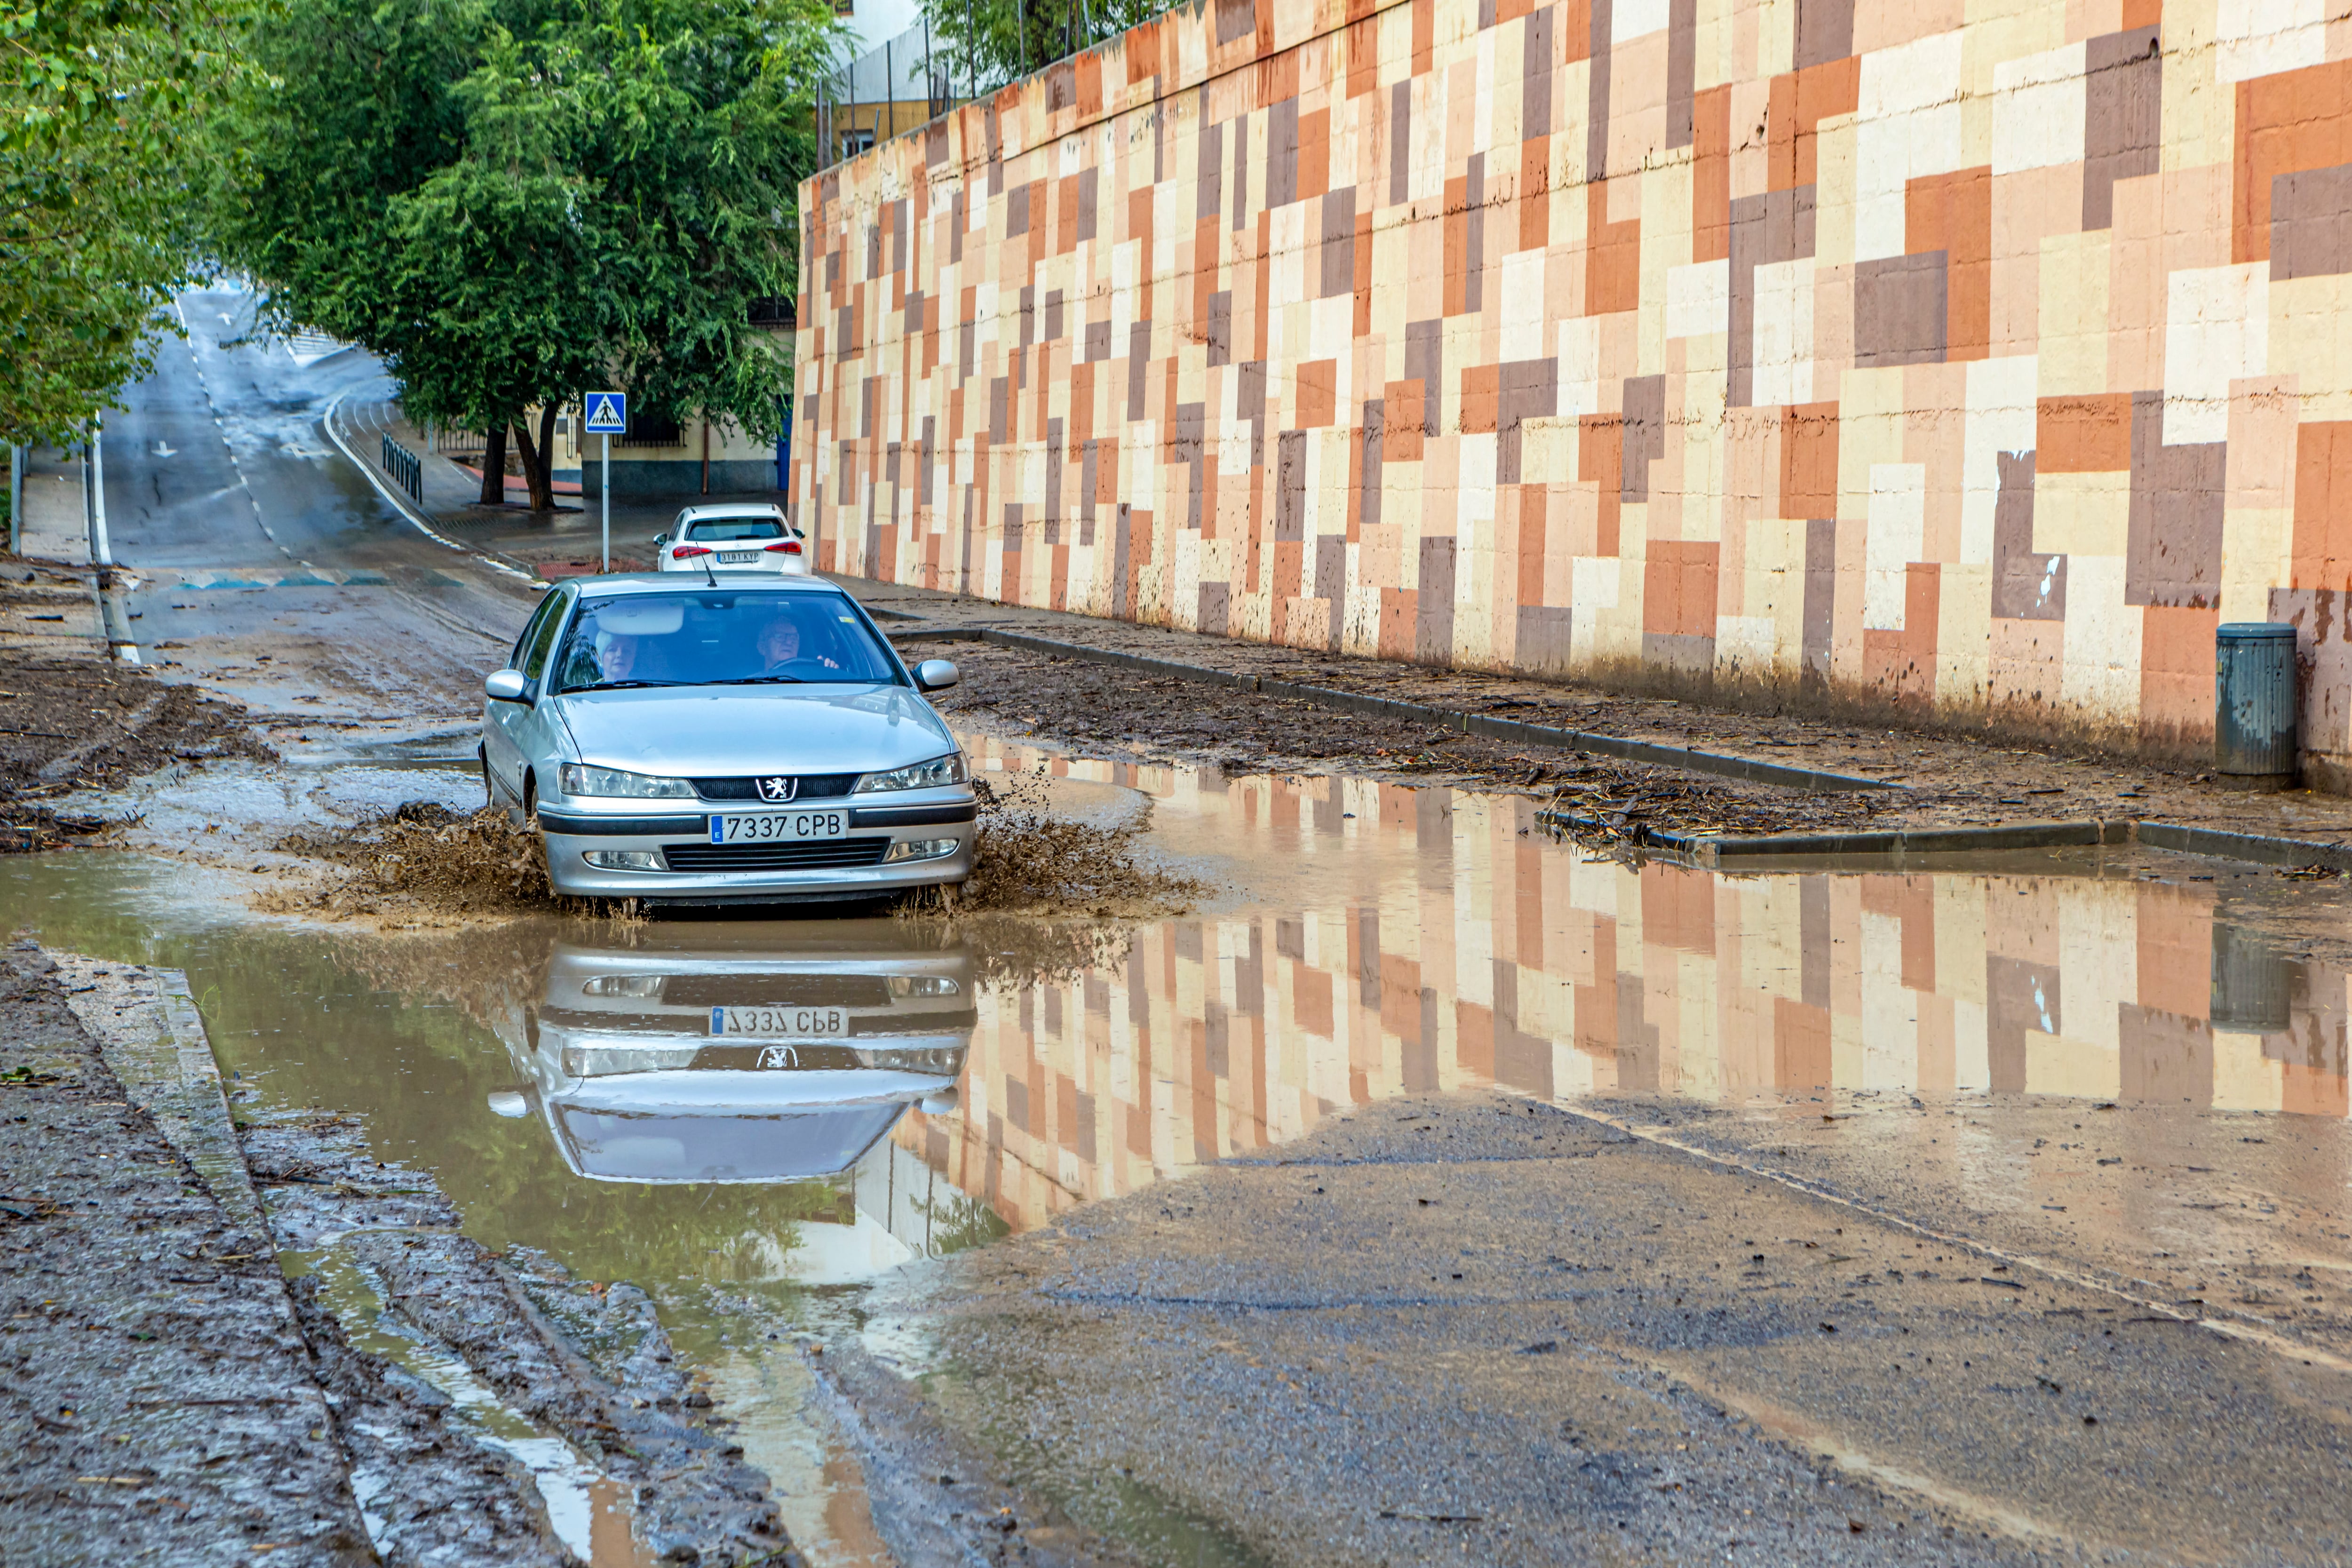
2254,983
2253,704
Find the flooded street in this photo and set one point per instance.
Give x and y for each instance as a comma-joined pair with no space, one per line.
2117,1079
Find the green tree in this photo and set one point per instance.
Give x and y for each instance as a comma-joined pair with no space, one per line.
512,201
99,99
978,44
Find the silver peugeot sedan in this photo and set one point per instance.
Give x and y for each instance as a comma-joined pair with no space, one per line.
745,738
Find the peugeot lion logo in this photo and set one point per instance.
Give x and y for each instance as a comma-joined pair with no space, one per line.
775,790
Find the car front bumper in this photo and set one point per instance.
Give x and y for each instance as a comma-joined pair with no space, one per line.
570,831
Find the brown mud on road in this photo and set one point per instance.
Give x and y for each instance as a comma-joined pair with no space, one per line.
156,1382
1119,712
423,863
1953,778
167,1381
74,723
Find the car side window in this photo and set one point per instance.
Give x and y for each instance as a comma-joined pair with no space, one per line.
542,632
531,628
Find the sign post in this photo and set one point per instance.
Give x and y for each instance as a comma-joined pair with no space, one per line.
607,416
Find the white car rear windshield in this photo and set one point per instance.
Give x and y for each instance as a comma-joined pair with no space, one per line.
719,636
706,530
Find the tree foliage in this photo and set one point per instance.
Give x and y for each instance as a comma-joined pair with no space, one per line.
512,201
99,103
980,45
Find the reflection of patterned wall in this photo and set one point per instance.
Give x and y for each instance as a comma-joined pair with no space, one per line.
1497,958
1980,363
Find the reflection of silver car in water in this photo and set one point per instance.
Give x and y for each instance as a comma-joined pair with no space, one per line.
658,1063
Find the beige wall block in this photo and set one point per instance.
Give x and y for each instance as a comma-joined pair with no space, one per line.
2099,679
2310,336
2074,352
2086,514
2257,552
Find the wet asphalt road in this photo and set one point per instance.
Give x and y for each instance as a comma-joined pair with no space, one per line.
264,565
1480,1329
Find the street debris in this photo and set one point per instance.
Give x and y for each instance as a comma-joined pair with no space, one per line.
422,856
1115,712
68,724
1049,896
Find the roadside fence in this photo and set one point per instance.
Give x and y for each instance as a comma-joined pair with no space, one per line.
404,468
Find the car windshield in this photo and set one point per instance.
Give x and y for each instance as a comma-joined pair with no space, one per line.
708,529
717,637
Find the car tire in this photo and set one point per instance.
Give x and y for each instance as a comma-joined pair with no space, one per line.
490,784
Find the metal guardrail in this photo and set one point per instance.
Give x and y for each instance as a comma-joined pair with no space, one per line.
404,468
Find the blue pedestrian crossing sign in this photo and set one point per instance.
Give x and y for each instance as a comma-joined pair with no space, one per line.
608,414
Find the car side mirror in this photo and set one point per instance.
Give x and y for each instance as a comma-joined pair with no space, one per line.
936,675
506,1102
508,685
660,540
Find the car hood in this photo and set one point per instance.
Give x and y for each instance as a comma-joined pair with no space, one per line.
706,732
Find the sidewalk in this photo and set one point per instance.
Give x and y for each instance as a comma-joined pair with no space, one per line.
566,543
1947,781
47,607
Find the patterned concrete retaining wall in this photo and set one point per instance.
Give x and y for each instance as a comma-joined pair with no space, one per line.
1969,360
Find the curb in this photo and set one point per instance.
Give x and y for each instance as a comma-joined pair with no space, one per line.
1770,849
2257,848
1479,725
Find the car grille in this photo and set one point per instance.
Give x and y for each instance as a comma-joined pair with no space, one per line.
775,990
811,786
822,854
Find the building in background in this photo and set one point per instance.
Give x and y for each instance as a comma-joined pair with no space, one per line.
887,91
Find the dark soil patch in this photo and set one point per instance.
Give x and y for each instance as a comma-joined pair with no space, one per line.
1103,708
71,724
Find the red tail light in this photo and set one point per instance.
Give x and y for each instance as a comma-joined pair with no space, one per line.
681,551
788,546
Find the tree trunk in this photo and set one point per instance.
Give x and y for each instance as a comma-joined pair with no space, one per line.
494,466
539,458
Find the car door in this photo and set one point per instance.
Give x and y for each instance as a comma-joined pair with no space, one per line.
510,731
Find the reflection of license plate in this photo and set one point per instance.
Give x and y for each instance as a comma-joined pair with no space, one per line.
790,1023
738,558
778,826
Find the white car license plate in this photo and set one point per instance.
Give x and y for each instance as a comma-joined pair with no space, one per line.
738,558
780,827
782,1023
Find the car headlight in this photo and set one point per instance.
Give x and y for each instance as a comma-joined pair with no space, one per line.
580,778
923,985
947,770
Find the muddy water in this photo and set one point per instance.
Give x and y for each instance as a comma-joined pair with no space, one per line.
2132,1061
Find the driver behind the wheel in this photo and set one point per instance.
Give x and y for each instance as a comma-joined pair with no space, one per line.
618,656
779,647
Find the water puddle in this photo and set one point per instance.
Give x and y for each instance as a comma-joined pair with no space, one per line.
754,1120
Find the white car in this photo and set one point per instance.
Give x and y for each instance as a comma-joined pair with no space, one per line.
732,537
